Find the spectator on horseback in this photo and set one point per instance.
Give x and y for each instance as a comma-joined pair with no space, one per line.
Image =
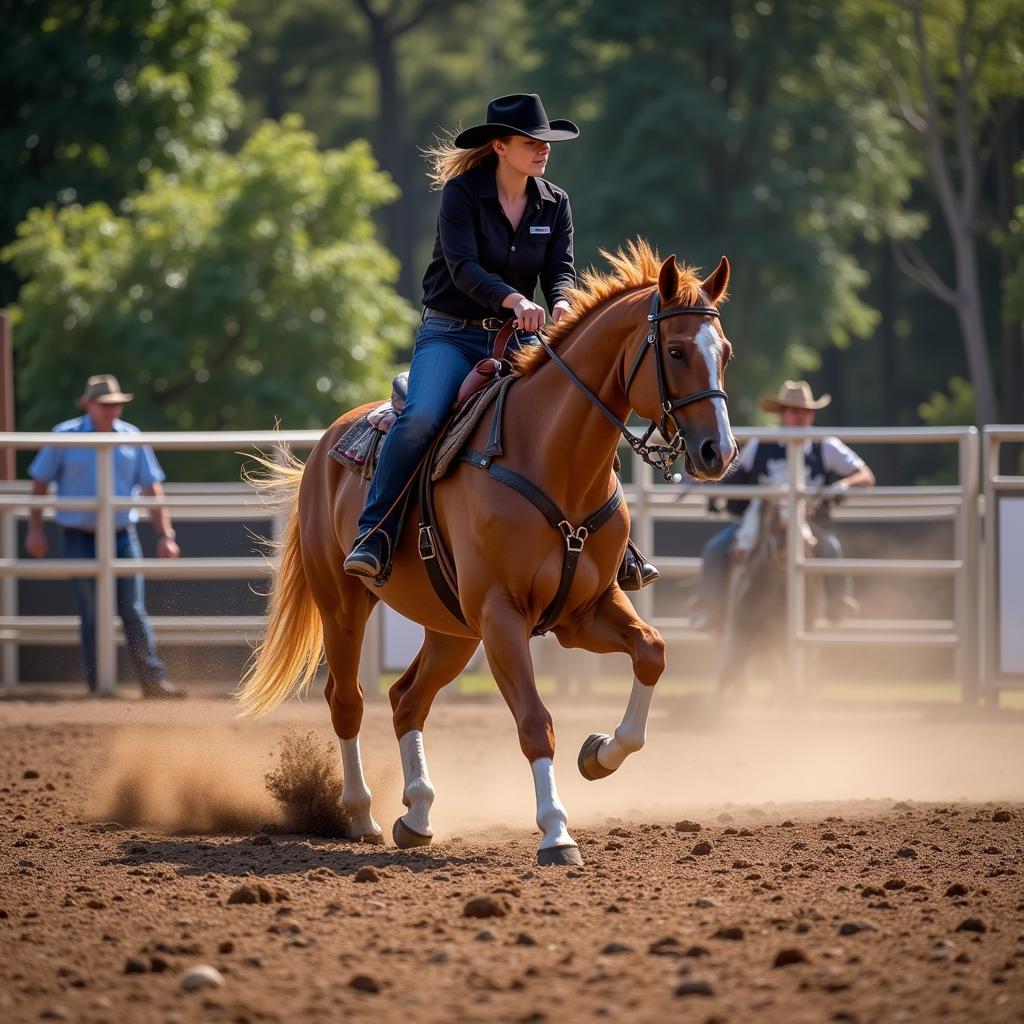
827,461
501,229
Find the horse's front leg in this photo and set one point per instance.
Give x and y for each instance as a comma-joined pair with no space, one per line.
506,637
616,628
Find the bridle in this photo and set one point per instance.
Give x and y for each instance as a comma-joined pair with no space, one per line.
658,456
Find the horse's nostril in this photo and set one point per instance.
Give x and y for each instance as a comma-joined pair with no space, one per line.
709,454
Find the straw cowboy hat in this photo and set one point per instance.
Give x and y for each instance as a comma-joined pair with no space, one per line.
793,394
104,388
517,114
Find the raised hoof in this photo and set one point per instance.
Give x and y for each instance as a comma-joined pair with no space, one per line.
405,838
560,857
589,766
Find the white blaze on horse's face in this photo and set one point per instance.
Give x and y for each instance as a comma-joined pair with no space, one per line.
710,343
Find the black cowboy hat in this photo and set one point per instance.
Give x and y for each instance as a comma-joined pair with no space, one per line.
518,114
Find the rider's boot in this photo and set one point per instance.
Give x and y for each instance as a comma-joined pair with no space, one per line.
370,557
636,572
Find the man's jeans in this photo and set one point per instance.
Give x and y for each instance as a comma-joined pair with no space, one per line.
444,353
714,579
130,606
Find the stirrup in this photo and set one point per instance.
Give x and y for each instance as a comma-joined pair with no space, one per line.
636,572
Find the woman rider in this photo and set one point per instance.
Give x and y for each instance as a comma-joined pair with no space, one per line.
500,229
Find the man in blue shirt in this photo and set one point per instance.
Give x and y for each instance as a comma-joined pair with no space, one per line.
136,470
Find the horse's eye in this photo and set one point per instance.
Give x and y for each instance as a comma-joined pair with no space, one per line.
676,352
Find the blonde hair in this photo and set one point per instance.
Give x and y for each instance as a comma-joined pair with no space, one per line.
447,161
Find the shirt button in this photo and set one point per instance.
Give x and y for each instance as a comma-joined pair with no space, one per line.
513,248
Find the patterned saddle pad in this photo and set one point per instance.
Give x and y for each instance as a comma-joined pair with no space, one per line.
359,446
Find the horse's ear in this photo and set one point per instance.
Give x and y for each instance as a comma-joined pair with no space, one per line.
717,283
668,280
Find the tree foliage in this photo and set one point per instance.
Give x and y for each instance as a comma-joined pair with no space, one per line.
730,127
395,72
1012,240
954,70
98,92
243,290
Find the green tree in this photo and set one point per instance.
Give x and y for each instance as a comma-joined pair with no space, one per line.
98,92
954,69
393,71
735,127
243,290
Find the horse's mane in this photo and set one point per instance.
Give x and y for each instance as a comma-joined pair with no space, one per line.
634,266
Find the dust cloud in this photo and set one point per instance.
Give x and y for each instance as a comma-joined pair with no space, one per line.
791,762
184,779
218,780
763,757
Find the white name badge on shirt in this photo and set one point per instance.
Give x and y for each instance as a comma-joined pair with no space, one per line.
540,229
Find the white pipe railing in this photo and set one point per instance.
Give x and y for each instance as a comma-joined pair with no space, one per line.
649,501
959,503
105,568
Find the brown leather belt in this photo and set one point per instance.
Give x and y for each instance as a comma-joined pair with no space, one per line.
489,323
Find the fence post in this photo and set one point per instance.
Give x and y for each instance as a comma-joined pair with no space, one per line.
106,644
795,592
8,598
987,629
643,599
966,582
370,656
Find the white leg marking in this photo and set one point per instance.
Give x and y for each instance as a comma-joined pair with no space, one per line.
418,794
355,794
632,731
551,814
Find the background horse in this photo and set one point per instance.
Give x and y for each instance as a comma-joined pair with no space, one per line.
755,618
644,337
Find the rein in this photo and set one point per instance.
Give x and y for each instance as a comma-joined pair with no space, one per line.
658,456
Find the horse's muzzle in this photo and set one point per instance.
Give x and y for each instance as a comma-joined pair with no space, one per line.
709,457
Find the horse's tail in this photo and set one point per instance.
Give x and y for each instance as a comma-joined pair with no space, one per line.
288,657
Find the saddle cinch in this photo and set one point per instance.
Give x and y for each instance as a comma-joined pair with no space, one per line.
486,385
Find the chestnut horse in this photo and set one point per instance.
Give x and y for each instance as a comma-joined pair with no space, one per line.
645,337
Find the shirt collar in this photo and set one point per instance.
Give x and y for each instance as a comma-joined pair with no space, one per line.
542,189
88,427
535,187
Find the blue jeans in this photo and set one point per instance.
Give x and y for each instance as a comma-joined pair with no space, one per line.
138,633
714,572
444,353
714,580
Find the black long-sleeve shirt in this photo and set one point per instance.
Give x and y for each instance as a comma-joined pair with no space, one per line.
479,260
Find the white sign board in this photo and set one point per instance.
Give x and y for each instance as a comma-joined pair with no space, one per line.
1011,586
402,641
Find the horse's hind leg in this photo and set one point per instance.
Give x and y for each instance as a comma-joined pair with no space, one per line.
440,660
343,640
615,627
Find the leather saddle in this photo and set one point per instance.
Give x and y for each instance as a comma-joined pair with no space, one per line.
359,446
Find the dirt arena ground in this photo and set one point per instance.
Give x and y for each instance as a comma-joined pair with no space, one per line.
857,866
